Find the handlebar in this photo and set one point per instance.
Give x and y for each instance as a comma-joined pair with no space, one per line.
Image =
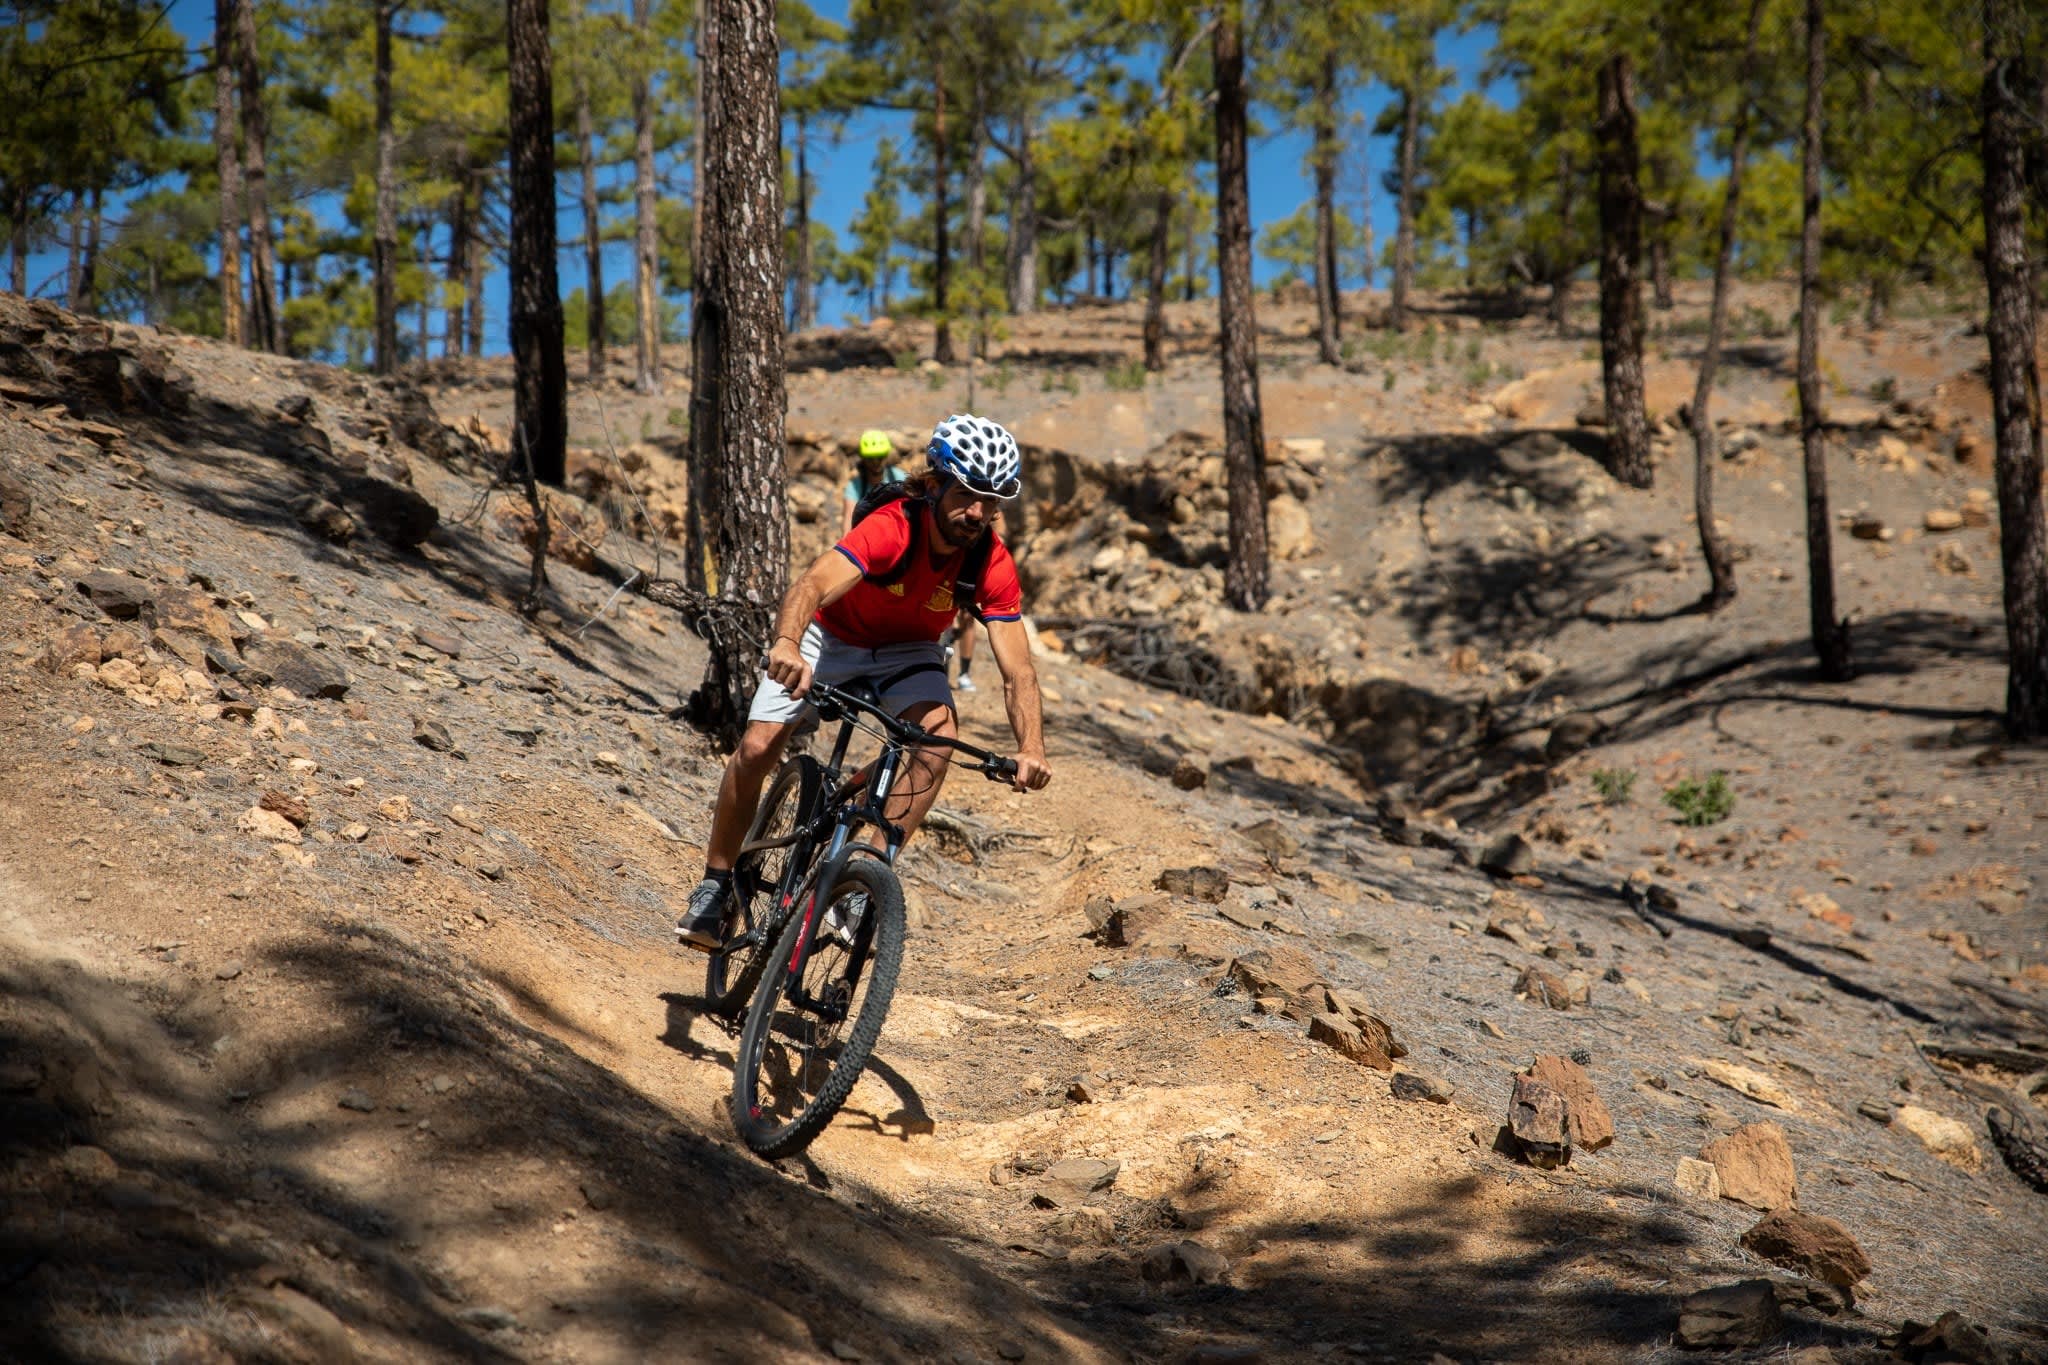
830,701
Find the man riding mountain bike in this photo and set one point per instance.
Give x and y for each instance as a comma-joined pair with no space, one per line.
875,607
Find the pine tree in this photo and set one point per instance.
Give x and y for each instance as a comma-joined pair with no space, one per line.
540,417
263,327
646,227
1244,440
1830,632
228,160
1621,302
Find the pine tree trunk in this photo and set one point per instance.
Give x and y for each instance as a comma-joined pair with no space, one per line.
228,161
2015,375
646,288
89,283
977,220
942,339
1244,443
1558,306
737,393
459,247
1404,232
1155,282
265,330
540,371
473,285
1023,245
385,234
1720,564
17,264
806,293
1187,246
593,244
1830,633
1660,262
1325,152
74,244
1621,291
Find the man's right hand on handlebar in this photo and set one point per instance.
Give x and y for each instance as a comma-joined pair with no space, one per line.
786,666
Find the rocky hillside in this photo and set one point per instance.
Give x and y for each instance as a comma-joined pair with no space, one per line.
1358,991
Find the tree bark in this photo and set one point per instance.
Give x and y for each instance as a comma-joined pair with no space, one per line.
1660,260
806,309
265,329
385,234
942,339
540,372
473,284
977,219
1244,443
74,244
737,394
1621,294
1404,231
1720,564
646,295
593,245
89,287
1155,281
1830,633
1328,303
17,265
1023,244
460,232
1558,306
228,160
2015,375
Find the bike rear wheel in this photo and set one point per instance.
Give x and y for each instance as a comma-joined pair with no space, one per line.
800,1058
733,968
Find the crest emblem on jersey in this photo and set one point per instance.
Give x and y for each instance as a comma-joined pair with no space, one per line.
896,589
941,598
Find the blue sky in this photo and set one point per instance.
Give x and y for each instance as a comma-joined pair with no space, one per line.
1279,182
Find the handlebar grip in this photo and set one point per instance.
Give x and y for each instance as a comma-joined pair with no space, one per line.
1000,769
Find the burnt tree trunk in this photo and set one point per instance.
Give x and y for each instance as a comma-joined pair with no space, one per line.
1328,304
1023,244
1404,230
1244,442
1720,564
1659,216
736,391
1621,290
593,245
806,302
473,282
1830,633
977,220
2015,375
1558,306
646,297
88,284
228,160
942,338
459,232
540,373
385,235
1155,281
266,330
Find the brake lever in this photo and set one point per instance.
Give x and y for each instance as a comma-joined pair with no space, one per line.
999,769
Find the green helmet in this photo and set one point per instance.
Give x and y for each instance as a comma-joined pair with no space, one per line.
874,445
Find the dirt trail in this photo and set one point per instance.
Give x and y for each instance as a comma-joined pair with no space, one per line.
422,1080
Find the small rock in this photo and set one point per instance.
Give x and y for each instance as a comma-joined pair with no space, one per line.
1507,856
1812,1245
1105,922
1943,519
1199,883
358,1100
1697,1178
596,1195
1085,1088
118,675
355,831
1755,1166
1754,1084
1591,1125
1950,1338
1087,1225
1542,988
1941,1135
308,672
431,734
1190,1261
1341,1033
1877,1111
396,808
1423,1087
1570,735
1866,527
1540,1123
116,594
1101,972
71,647
325,519
89,1165
1730,1316
1271,838
227,971
171,755
1188,774
268,824
1086,1174
490,1318
292,808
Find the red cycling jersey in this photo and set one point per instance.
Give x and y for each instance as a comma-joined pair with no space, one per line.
919,605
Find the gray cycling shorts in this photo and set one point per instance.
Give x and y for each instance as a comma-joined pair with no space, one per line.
833,661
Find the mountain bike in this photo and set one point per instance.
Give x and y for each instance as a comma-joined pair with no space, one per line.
815,923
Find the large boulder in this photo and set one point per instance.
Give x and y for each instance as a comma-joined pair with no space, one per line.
1755,1166
1812,1245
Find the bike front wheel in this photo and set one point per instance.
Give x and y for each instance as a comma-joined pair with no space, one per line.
808,1036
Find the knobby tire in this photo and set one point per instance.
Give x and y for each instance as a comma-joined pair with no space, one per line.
881,934
730,976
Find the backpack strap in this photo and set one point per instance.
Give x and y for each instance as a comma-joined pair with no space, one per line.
974,569
913,512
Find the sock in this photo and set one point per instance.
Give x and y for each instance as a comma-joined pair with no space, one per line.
721,875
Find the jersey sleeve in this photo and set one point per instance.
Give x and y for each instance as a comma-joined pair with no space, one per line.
881,539
1002,596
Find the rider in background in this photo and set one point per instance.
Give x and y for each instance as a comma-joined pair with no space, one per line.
875,469
875,606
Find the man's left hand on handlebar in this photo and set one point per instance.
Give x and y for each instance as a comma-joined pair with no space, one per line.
1033,772
786,666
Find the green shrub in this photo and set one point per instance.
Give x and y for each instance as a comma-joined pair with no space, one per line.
1003,377
1885,389
936,379
1387,380
906,359
1614,785
1702,803
1129,376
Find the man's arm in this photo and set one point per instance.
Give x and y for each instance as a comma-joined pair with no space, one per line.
1012,648
825,582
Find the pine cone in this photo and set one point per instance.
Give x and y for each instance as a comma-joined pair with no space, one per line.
2021,1146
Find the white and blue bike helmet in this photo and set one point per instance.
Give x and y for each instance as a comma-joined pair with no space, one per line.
979,454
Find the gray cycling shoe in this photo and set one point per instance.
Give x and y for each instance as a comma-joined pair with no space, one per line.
703,923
